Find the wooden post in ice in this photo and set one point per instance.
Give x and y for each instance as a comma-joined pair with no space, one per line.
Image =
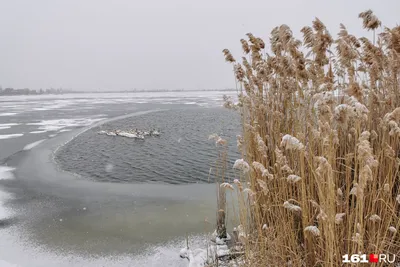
221,195
220,170
221,228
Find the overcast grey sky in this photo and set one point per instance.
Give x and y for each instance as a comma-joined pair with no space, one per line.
150,44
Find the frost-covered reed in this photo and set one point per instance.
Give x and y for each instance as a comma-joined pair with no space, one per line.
320,145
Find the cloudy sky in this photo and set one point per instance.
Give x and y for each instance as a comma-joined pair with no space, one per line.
153,44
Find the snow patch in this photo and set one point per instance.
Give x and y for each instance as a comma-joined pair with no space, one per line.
38,132
57,125
200,257
32,145
57,104
7,264
8,136
5,212
204,105
4,126
16,249
6,173
217,251
9,124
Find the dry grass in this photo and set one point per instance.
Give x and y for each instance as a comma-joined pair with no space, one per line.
320,145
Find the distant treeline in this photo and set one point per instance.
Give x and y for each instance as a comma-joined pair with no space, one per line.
26,91
157,90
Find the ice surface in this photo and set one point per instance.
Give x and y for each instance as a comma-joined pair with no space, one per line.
39,103
6,264
8,124
8,136
59,124
6,173
38,132
32,145
17,250
4,126
4,211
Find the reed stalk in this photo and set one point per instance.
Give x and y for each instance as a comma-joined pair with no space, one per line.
320,144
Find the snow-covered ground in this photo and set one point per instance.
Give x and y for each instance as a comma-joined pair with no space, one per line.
17,253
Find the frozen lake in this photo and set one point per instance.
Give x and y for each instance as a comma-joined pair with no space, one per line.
51,217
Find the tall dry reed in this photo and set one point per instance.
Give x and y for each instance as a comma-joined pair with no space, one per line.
319,176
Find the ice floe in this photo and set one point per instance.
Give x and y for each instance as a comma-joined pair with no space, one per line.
38,132
4,126
8,136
